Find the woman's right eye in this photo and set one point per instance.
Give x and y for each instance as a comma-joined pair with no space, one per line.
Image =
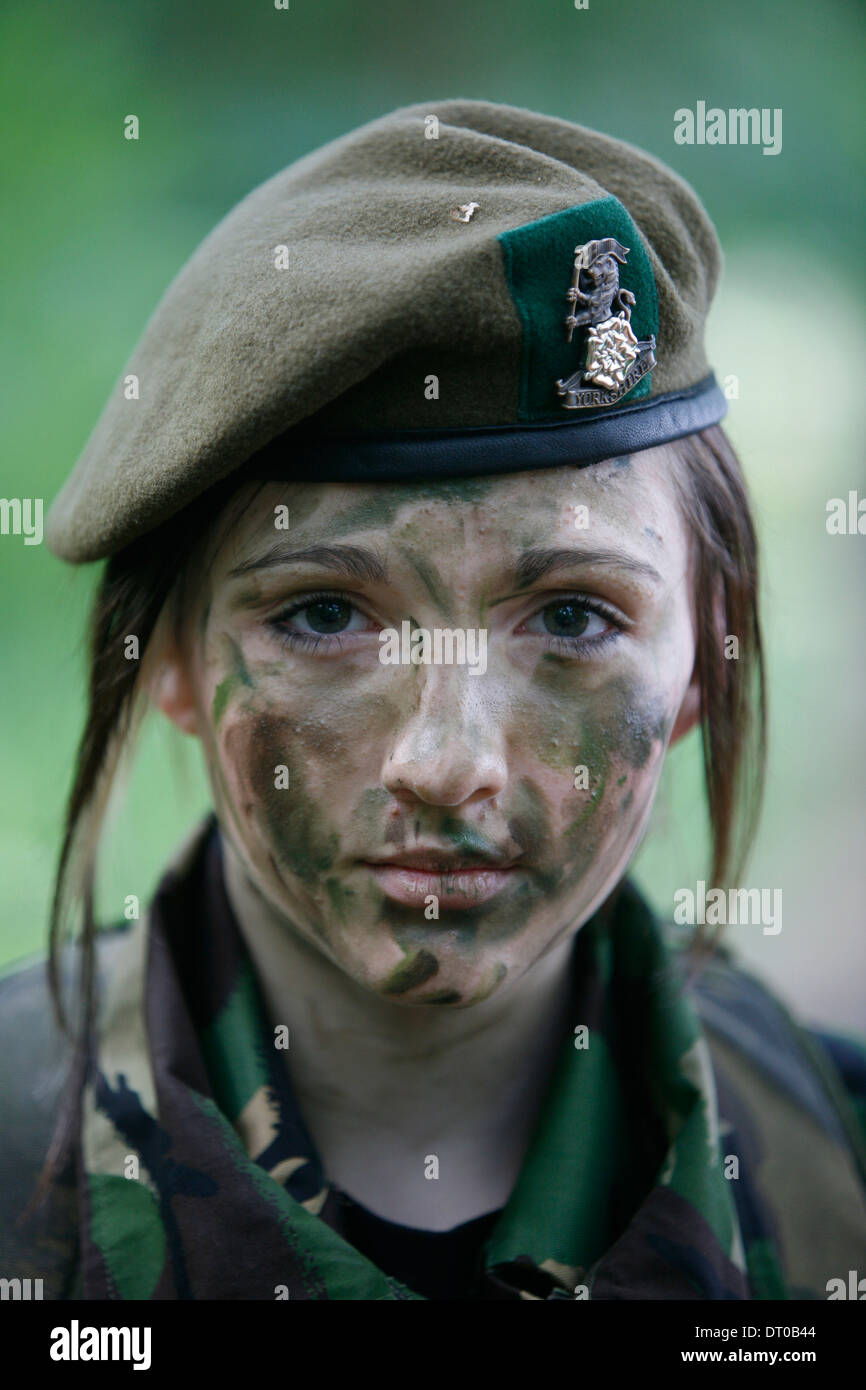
317,617
325,616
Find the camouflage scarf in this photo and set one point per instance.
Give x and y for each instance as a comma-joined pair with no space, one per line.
199,1180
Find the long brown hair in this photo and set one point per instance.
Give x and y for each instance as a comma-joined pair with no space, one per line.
140,586
733,720
142,589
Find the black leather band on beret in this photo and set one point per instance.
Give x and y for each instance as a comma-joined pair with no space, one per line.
419,455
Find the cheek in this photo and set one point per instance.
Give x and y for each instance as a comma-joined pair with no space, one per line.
597,756
600,825
274,796
288,778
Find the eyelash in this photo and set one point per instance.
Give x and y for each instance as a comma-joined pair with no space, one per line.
585,647
567,646
306,641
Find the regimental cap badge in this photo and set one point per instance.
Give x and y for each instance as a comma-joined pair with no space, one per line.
615,359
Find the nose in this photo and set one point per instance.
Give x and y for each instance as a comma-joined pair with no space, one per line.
450,750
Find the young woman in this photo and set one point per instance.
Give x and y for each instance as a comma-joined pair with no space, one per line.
416,505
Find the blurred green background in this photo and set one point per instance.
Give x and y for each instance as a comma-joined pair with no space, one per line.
229,92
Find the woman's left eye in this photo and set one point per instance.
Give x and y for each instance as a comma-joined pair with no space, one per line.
574,621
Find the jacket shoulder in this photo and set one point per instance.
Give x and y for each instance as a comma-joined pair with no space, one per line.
823,1070
37,1057
791,1101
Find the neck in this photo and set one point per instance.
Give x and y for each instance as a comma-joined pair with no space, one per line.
384,1087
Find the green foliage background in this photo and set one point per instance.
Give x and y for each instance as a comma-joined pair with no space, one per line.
227,93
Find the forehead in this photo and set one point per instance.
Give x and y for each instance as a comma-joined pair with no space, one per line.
629,503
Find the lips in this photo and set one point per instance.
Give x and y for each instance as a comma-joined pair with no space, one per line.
443,861
457,882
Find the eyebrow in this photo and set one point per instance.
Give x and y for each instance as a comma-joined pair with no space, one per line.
355,560
533,564
363,563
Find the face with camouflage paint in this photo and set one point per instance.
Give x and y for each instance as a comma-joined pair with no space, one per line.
532,780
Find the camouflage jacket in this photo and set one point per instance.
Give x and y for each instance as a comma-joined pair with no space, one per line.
700,1145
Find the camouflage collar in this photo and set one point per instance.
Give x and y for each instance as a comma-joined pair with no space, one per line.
199,1180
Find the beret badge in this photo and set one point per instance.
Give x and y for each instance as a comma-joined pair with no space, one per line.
615,359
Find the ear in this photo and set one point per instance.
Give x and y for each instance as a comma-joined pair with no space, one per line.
172,691
689,712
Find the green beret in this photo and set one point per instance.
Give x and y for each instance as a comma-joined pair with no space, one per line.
456,288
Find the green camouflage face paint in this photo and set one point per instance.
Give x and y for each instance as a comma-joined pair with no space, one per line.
334,771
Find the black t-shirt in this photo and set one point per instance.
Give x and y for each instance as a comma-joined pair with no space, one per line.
437,1264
